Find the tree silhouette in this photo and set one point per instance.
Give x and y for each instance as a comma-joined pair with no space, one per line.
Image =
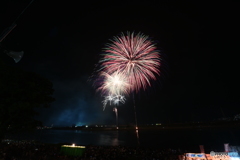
20,93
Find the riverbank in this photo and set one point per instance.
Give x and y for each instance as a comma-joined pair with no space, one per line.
173,126
23,150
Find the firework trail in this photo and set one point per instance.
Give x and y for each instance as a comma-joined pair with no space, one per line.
116,112
134,56
115,99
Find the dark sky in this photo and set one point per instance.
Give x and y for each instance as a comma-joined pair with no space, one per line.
62,41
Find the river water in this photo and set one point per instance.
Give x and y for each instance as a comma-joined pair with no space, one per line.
212,139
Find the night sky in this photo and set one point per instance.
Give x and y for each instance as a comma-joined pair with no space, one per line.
62,41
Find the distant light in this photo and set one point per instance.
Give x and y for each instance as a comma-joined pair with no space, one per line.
86,126
73,144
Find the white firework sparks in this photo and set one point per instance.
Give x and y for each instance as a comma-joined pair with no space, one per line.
115,99
114,84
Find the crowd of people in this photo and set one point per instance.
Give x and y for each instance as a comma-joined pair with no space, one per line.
30,150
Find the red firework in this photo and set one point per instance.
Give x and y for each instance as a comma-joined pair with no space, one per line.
133,55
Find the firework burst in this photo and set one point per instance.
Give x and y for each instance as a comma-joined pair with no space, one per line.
114,84
135,57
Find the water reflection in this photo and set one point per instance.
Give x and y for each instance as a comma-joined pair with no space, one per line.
164,138
109,139
78,131
138,141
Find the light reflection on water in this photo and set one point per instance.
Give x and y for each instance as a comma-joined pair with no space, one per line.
129,138
108,139
100,138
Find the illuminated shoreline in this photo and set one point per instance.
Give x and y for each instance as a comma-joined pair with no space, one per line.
177,126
